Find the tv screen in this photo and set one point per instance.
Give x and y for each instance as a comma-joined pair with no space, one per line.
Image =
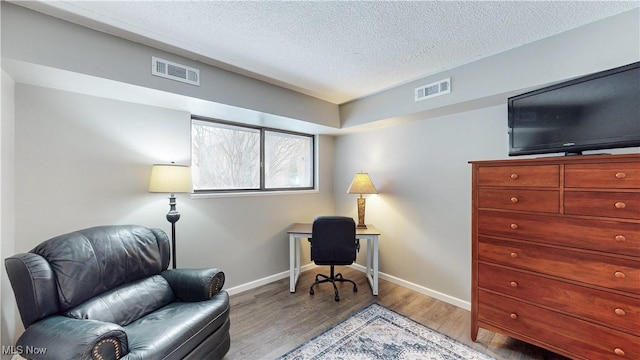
597,111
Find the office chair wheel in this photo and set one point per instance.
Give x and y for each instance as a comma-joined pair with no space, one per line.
311,292
355,288
337,298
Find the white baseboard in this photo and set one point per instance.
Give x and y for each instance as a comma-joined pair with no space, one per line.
415,287
265,280
421,289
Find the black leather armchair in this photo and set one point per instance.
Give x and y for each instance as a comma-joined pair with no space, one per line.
105,293
333,242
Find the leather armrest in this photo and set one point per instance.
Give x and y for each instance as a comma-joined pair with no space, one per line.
194,284
60,337
34,286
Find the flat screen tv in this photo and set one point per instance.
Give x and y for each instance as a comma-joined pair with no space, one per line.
597,111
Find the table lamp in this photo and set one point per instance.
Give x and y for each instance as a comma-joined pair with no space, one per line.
172,179
361,184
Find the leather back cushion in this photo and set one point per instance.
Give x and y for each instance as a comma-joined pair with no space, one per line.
126,303
92,261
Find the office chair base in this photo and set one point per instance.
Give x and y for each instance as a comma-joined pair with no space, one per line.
332,279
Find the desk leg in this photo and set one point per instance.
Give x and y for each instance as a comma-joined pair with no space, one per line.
368,259
292,263
375,266
298,271
371,269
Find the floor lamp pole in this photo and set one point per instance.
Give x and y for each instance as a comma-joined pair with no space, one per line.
172,216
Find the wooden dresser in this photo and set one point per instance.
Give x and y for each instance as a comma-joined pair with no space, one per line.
556,253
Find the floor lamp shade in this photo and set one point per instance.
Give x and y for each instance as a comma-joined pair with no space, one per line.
361,184
171,179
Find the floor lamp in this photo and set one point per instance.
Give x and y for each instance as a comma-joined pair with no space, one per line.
172,179
361,184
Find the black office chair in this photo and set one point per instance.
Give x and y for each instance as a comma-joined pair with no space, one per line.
333,242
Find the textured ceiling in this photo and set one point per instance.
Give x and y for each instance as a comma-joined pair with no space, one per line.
335,50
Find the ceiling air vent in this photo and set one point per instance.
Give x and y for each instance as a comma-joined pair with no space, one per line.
174,71
434,89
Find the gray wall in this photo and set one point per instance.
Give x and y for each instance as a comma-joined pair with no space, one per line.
8,321
85,161
423,208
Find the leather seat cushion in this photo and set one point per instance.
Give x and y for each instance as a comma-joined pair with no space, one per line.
176,328
126,303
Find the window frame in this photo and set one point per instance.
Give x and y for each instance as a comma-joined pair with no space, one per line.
262,130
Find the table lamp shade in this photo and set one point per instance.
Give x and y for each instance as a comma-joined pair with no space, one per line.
170,179
362,184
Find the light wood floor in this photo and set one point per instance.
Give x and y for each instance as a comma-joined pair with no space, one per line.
268,321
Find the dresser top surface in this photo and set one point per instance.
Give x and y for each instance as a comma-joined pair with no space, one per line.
577,159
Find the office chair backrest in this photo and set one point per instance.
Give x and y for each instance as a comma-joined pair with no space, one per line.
333,240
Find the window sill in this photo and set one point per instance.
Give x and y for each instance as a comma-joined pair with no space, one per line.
251,193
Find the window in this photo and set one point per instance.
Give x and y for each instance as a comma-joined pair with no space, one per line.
233,157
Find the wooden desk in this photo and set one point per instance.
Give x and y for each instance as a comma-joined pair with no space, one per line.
298,231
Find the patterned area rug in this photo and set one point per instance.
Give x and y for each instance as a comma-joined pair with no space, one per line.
379,333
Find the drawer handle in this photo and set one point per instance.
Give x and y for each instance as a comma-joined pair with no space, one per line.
620,275
515,255
513,316
515,284
620,312
620,205
514,199
514,176
621,175
514,226
620,238
619,352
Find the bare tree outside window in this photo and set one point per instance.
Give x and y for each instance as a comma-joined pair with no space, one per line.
288,160
228,157
224,157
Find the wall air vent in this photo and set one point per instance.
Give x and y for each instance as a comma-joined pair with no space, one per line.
174,71
434,89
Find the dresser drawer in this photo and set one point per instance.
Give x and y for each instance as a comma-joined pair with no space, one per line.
532,176
610,176
601,235
624,205
556,330
520,199
616,310
609,272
